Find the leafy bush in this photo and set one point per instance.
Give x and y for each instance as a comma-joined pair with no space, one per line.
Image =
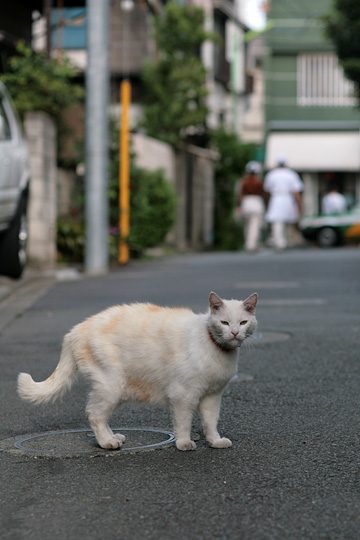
39,83
152,211
152,203
71,239
233,156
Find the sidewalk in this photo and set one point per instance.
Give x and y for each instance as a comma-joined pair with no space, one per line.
16,296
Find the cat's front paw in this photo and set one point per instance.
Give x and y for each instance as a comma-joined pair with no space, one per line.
121,437
185,444
221,443
113,443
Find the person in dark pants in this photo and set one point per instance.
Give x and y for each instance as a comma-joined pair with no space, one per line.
251,205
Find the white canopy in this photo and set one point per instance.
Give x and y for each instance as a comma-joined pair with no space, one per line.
315,150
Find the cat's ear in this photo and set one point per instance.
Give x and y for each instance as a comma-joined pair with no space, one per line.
250,303
215,302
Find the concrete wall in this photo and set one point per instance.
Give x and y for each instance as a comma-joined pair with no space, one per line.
153,154
195,192
191,169
253,124
41,136
66,183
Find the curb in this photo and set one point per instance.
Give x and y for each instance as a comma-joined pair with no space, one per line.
15,298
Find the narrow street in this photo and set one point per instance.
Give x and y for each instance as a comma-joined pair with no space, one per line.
293,412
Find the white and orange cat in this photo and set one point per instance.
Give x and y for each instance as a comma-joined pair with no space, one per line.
148,353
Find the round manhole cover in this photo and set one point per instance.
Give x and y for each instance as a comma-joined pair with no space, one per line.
260,338
81,442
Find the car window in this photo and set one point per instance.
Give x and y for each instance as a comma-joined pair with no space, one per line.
5,133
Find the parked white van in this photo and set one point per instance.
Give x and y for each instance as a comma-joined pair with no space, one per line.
14,190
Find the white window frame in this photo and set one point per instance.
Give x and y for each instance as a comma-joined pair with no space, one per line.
321,81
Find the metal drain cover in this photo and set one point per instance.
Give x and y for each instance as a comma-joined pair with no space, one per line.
81,442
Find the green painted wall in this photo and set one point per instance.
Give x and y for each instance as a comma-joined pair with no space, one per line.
281,95
297,28
298,24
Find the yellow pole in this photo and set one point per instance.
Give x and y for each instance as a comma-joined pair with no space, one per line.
124,170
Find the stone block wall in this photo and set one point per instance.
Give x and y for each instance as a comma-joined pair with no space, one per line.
41,136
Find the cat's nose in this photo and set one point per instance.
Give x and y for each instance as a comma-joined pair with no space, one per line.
234,332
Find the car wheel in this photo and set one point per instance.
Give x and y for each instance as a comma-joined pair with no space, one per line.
13,243
327,237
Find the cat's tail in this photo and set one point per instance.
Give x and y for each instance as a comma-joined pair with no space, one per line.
54,386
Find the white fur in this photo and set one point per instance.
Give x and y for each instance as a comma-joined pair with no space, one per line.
147,353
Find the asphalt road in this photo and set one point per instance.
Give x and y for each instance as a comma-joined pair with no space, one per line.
293,413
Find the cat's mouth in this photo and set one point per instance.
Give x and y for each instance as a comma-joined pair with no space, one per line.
237,342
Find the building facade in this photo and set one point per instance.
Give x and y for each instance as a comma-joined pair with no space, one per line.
15,25
310,108
131,45
225,63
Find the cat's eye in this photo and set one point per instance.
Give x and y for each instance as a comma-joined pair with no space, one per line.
242,323
225,322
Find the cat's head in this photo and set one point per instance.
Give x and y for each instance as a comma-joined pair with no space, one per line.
231,321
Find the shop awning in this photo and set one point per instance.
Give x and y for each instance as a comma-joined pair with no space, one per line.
315,151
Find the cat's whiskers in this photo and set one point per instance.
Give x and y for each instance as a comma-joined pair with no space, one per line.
249,343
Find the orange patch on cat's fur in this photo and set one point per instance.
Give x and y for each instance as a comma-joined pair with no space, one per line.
153,307
86,354
112,325
140,389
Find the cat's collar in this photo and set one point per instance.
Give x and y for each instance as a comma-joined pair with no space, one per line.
218,345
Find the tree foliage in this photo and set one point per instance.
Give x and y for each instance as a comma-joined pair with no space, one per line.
175,83
37,83
343,27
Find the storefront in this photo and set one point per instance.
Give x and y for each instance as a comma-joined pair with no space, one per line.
322,158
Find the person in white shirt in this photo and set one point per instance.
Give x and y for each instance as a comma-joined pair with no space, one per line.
334,202
284,187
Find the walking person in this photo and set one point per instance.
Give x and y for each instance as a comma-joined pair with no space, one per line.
251,205
284,187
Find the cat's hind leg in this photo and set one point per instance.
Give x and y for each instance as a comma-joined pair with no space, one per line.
99,408
209,409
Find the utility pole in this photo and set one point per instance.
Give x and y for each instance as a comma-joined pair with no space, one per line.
97,95
124,170
124,173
